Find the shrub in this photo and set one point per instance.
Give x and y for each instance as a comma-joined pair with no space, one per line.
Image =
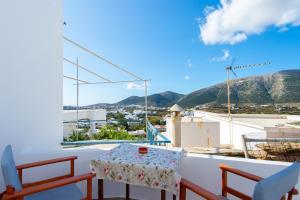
78,136
108,132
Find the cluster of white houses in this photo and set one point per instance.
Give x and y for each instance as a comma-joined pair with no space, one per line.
202,129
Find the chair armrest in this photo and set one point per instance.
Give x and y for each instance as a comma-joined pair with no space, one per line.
47,186
240,173
185,184
46,162
226,189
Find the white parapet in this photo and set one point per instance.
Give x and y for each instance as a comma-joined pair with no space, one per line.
203,170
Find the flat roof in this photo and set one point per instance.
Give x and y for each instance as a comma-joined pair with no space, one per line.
262,120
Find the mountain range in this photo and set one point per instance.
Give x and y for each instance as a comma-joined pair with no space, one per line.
164,99
278,88
282,87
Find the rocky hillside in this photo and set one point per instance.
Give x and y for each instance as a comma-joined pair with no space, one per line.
277,88
164,99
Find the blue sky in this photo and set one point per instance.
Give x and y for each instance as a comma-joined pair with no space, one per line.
180,45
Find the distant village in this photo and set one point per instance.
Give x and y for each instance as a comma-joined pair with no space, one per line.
131,118
204,129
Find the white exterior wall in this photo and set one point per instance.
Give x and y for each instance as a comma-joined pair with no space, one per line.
237,130
195,132
31,75
200,134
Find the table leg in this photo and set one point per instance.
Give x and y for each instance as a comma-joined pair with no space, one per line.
100,189
163,195
174,197
127,191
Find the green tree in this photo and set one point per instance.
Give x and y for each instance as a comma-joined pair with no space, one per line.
108,132
77,136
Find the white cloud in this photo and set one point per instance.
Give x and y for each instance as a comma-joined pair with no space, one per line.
135,86
224,57
234,20
186,77
189,63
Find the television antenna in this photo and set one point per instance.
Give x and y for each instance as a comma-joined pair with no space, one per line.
231,69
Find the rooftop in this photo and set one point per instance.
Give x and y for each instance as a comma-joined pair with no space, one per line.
261,120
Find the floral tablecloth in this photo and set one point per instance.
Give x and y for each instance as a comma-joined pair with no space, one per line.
159,168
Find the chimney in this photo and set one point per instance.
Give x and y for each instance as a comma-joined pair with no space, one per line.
176,125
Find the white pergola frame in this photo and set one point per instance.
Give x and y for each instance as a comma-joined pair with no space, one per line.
104,79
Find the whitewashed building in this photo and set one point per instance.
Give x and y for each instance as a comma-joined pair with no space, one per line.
212,130
94,118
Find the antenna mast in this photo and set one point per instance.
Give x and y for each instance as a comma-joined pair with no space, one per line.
228,91
232,68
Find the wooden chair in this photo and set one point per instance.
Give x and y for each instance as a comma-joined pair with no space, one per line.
274,187
58,188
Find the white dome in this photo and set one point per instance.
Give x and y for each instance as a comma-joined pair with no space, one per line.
176,108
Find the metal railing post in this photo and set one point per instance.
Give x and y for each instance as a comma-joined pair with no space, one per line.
77,103
146,106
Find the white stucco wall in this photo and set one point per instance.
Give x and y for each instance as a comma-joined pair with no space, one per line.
237,130
31,75
194,132
200,133
216,130
234,130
